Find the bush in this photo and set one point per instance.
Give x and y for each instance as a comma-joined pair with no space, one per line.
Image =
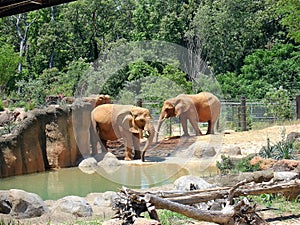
1,105
226,165
284,149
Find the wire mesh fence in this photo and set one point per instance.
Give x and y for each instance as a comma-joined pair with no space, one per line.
231,115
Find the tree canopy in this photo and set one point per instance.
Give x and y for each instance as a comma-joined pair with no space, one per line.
249,46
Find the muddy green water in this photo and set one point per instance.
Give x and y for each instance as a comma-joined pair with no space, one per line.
72,181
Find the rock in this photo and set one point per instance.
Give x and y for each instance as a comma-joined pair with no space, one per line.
285,175
263,163
88,165
143,221
234,150
204,152
110,163
22,204
74,205
197,150
138,221
293,136
185,183
285,165
102,199
113,222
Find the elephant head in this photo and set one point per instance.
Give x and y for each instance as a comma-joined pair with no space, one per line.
173,107
138,120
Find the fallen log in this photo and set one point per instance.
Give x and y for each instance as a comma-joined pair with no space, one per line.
231,214
257,189
240,212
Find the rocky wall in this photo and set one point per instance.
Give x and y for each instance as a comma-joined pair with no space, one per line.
46,139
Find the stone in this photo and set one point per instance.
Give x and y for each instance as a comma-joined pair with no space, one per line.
185,183
230,151
285,175
113,222
88,165
110,163
102,199
74,205
22,204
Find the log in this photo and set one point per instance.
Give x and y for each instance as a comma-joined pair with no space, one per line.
241,212
247,190
221,217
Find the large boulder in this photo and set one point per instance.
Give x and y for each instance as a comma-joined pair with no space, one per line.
189,182
74,205
21,204
110,163
88,165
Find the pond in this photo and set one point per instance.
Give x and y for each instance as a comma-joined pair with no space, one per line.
53,185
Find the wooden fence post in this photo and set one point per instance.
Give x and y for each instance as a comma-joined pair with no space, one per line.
139,102
298,107
243,113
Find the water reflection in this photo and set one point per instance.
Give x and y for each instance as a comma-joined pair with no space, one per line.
72,181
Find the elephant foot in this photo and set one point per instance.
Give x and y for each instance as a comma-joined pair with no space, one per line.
185,135
137,155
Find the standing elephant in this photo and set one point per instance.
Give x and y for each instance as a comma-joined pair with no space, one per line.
114,121
202,107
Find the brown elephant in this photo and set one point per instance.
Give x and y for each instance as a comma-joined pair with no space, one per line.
113,121
202,107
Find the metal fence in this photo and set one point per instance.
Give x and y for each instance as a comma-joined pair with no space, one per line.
231,114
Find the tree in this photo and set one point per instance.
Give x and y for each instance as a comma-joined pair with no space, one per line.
229,30
9,60
279,104
289,11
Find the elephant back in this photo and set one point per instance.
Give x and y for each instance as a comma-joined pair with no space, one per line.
207,105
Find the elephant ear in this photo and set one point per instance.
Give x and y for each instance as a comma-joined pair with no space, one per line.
182,105
128,124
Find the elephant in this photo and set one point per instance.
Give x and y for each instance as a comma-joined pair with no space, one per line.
202,107
114,121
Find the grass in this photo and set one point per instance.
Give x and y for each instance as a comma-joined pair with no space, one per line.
278,204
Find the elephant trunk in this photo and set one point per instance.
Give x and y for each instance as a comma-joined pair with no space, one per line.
151,131
162,118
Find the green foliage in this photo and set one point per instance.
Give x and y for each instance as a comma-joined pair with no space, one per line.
168,217
229,30
264,70
267,199
9,60
224,33
289,10
1,105
244,165
225,165
283,149
278,104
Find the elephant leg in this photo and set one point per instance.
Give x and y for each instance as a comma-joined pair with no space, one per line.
93,141
183,121
128,138
194,123
104,145
128,153
136,144
211,125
